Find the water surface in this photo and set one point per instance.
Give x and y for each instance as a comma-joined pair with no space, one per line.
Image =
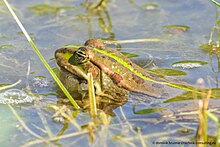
120,20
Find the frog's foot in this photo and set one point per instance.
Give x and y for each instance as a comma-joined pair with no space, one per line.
102,94
99,92
112,98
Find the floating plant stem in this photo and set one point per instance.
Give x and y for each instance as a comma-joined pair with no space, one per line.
41,57
216,120
26,127
9,86
137,40
202,127
92,100
177,27
45,123
215,2
55,138
213,28
48,9
141,137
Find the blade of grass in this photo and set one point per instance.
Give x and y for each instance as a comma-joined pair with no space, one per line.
40,56
45,123
141,137
215,2
26,127
65,136
92,100
212,116
216,120
202,127
9,86
137,40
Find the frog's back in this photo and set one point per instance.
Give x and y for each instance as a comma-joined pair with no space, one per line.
124,77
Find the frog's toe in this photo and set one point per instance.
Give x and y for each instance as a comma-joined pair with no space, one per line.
102,94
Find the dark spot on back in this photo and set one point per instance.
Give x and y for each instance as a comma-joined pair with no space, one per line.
137,79
116,78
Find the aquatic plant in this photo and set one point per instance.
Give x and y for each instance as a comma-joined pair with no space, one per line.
41,57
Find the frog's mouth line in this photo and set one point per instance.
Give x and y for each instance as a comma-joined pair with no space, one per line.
81,80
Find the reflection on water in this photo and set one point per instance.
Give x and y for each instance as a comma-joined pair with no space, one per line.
213,48
100,10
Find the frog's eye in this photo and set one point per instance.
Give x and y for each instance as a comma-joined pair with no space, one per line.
80,56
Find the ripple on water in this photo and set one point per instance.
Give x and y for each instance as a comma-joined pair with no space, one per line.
187,65
16,96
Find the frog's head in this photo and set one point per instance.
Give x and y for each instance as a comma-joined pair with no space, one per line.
71,59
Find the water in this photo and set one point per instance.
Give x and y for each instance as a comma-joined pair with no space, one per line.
121,20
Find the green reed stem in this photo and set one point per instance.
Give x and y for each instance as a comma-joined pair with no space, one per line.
92,100
215,2
41,57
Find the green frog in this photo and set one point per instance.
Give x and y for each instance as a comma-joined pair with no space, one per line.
111,79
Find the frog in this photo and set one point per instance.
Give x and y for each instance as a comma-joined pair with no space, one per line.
74,76
111,79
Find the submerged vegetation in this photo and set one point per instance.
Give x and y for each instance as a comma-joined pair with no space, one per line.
187,64
47,9
177,27
60,122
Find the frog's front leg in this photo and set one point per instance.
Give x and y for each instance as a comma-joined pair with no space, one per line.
98,78
99,92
